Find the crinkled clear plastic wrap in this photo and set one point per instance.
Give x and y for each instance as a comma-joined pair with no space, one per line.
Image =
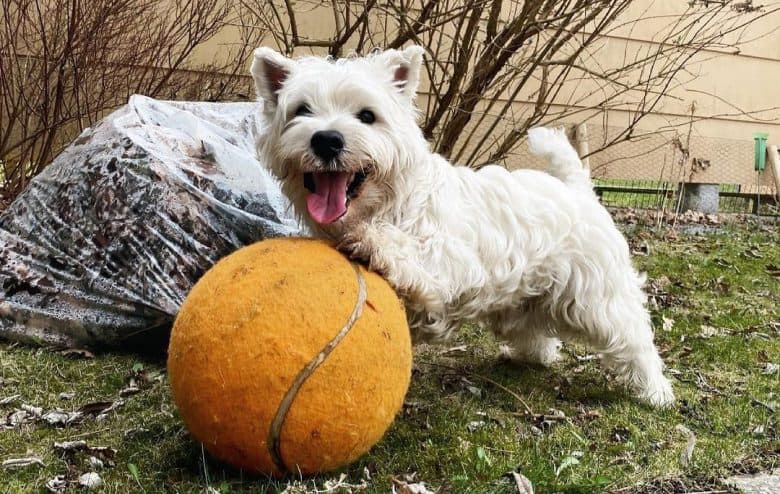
102,247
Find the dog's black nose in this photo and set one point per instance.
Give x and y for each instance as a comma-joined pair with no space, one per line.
327,144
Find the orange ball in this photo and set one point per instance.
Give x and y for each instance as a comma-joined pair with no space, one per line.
287,358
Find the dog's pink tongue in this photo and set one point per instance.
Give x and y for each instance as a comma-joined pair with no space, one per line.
328,202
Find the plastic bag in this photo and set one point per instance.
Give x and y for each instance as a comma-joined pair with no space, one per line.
103,246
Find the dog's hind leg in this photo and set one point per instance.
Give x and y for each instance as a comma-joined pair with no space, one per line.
528,336
619,328
638,365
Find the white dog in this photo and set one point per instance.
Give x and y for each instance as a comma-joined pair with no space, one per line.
531,255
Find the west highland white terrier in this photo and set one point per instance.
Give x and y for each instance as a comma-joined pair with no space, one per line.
533,256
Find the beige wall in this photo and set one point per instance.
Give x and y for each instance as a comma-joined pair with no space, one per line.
726,88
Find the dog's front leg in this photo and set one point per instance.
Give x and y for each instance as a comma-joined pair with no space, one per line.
397,256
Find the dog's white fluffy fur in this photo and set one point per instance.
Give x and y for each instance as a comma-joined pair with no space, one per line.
533,256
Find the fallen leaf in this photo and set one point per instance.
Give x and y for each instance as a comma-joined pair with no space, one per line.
23,462
555,414
61,417
90,480
721,285
642,250
710,331
687,453
57,485
17,417
460,348
341,485
460,383
411,408
78,353
724,263
551,418
25,413
407,484
569,461
475,425
661,282
579,369
704,385
522,483
32,410
620,434
771,405
129,391
475,391
589,415
98,407
770,368
294,487
103,452
490,418
99,455
71,445
9,399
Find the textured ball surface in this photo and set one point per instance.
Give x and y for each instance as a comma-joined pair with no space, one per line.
259,373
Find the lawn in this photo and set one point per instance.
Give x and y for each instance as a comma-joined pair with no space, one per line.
469,419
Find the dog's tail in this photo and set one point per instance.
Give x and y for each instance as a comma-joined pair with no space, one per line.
565,163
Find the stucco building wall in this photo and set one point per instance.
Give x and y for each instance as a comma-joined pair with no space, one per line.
714,113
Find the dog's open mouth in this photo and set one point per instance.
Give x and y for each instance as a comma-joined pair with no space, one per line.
330,193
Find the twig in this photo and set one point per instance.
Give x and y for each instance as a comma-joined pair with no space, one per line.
516,396
87,434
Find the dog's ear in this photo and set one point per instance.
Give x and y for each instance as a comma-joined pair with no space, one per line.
270,69
406,66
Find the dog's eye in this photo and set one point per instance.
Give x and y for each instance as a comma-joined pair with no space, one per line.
366,116
303,111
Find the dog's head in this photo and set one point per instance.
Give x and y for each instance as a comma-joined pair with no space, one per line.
340,132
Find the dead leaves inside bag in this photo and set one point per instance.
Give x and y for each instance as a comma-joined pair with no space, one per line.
102,247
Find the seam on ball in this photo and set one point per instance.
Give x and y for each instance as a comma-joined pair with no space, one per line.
275,430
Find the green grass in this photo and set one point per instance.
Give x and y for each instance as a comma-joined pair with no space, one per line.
463,427
629,199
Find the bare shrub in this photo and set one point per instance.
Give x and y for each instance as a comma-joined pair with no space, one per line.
499,67
65,63
495,68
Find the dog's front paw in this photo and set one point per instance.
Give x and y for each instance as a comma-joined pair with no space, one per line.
359,246
353,246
